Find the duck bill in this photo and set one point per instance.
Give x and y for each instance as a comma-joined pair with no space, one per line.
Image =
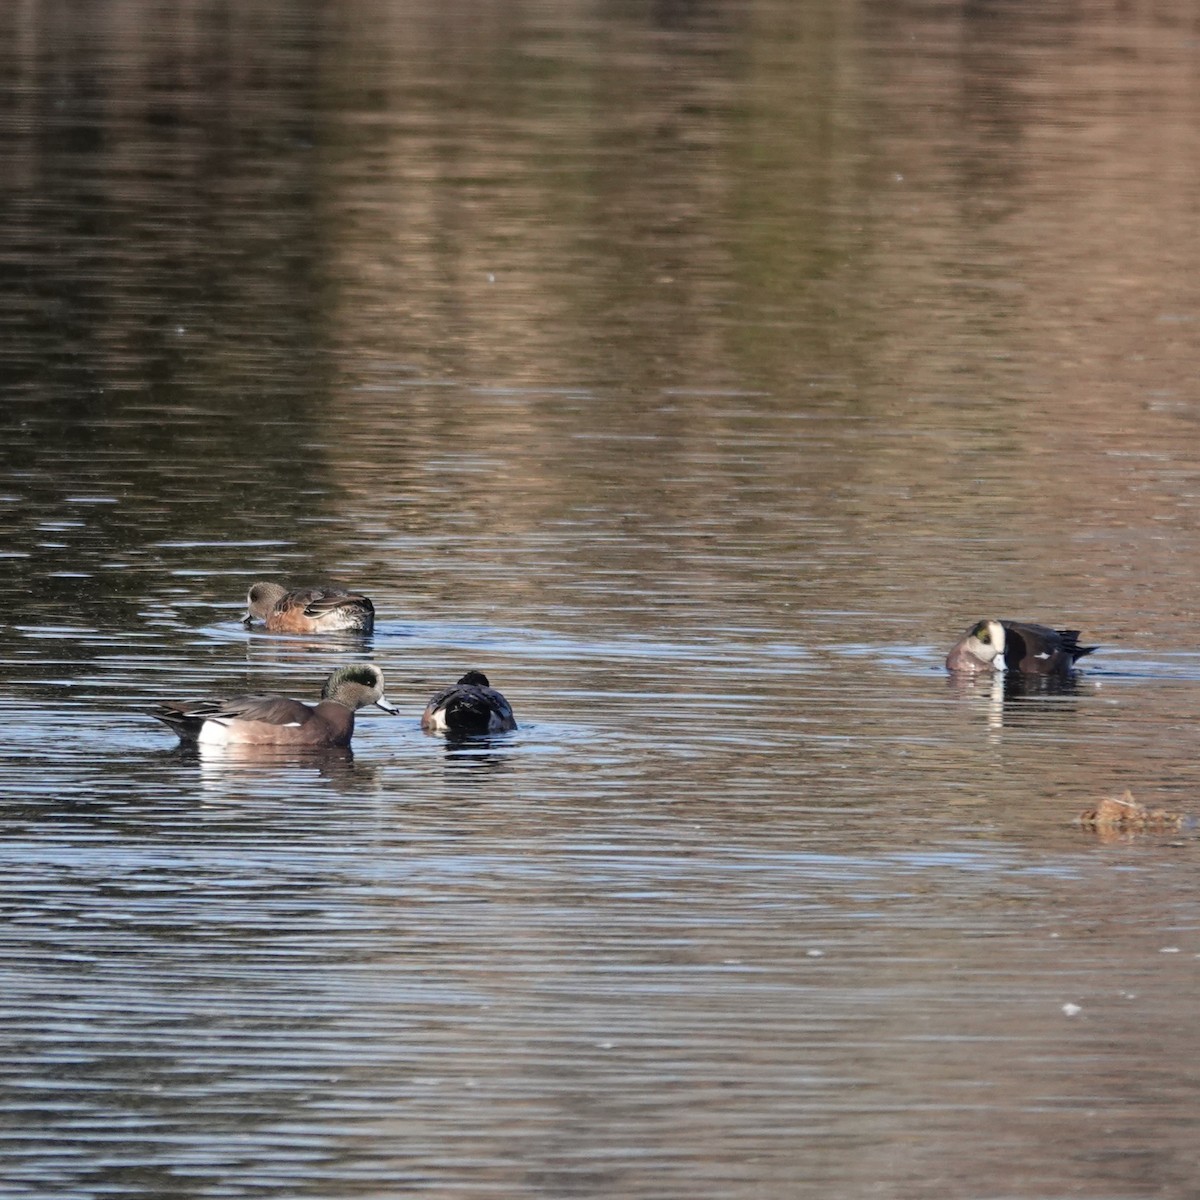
999,663
387,706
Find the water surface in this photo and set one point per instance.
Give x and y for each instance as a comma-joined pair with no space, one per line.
699,372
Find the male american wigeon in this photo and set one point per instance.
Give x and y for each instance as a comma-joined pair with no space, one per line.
309,610
471,706
992,645
274,720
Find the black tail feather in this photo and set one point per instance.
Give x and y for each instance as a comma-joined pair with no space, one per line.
1070,640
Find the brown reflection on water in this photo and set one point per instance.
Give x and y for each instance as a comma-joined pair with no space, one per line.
555,215
923,299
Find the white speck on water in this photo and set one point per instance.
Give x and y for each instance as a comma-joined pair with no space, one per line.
1072,1010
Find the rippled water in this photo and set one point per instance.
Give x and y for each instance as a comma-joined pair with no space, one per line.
699,373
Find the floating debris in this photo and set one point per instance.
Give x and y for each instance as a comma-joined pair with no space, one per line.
1126,815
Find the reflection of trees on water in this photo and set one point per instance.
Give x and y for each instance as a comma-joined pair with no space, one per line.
774,305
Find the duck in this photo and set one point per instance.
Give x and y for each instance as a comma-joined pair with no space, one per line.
994,645
469,707
276,720
309,610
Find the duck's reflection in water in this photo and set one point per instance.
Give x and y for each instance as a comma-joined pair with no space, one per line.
225,768
483,752
278,648
1013,698
1021,686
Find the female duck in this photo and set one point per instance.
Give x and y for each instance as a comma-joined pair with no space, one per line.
309,610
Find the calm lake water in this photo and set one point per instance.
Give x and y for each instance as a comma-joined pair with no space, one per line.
700,371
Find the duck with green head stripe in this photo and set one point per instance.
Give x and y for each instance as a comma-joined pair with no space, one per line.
993,645
275,720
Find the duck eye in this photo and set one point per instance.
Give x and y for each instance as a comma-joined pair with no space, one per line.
983,635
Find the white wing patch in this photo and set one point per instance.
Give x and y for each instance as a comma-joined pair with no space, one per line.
215,731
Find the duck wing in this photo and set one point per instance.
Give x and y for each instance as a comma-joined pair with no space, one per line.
318,602
188,716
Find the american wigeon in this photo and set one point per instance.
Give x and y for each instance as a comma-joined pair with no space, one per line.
309,610
274,720
471,706
993,645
